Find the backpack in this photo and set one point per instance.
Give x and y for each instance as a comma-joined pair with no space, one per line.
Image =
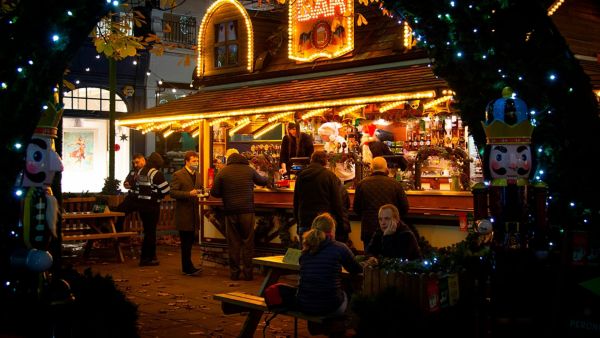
280,296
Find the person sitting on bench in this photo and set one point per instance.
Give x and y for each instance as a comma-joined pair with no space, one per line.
320,287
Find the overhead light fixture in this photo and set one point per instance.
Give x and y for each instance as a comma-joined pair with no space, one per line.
190,123
554,7
382,122
390,106
438,101
311,106
168,132
265,129
279,116
351,109
315,112
240,124
196,133
218,121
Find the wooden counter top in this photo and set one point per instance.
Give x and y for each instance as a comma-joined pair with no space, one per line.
420,201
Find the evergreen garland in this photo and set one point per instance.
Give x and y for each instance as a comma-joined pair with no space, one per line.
479,47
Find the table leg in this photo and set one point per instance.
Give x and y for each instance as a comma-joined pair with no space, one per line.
87,248
271,278
251,324
254,316
111,227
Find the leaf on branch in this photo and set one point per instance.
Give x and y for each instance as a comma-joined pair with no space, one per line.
130,51
364,2
361,20
167,28
281,2
108,51
151,37
69,85
139,15
157,49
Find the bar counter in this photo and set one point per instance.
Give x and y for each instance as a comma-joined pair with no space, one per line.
440,216
421,202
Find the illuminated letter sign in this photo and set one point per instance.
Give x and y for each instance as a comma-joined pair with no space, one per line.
320,29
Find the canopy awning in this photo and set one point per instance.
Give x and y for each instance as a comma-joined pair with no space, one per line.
348,89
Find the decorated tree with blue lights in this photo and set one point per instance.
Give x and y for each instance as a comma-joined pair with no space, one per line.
480,47
38,40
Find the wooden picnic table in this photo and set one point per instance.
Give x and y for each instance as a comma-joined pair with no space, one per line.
97,226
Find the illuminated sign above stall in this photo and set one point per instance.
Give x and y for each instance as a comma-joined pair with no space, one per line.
320,29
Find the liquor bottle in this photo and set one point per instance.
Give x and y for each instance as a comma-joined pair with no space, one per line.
428,140
408,143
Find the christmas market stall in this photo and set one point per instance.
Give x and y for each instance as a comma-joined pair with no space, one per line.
257,70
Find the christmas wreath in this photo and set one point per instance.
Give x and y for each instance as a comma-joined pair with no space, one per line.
459,158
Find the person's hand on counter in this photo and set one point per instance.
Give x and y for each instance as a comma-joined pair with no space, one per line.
283,169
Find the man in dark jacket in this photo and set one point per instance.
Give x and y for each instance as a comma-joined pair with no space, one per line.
149,189
394,239
128,205
317,191
235,185
373,192
185,189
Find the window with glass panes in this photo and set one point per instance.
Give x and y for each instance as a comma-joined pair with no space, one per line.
92,99
226,44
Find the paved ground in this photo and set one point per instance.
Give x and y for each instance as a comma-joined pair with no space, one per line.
173,305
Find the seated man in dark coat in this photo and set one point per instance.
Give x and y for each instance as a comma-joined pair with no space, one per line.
394,239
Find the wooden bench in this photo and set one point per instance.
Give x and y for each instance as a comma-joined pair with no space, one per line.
86,237
237,302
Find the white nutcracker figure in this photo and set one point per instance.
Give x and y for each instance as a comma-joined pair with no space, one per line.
40,208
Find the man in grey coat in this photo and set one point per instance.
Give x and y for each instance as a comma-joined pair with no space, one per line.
185,189
235,185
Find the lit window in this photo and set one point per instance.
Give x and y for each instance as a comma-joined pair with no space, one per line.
226,44
92,99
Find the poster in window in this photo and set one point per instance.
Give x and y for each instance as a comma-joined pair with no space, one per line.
220,32
232,32
79,147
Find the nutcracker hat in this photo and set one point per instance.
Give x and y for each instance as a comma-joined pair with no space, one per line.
507,121
498,132
51,116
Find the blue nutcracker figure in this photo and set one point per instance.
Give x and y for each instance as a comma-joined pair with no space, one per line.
508,166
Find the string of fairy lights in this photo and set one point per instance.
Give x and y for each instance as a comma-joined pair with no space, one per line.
460,53
505,74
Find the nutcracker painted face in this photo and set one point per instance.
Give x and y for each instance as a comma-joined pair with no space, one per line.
41,163
510,161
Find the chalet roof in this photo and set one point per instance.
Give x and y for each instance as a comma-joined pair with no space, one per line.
579,23
368,85
380,41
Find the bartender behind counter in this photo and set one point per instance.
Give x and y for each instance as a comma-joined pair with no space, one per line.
294,144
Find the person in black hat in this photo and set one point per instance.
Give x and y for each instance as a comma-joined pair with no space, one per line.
294,144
